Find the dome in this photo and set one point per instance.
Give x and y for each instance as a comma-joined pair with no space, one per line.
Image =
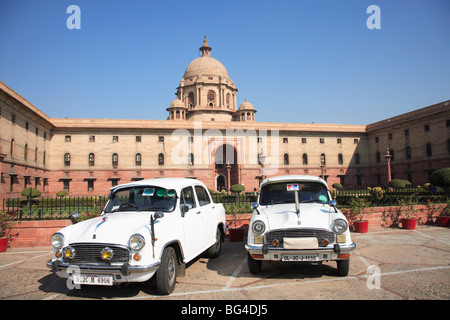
246,106
177,103
205,65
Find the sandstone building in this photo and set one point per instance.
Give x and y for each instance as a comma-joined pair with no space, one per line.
207,135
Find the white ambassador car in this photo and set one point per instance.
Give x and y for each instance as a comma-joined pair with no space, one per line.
149,227
295,219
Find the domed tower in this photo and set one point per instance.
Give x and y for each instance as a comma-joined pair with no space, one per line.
246,112
177,110
206,90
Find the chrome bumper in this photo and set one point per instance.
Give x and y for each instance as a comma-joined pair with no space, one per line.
124,269
328,252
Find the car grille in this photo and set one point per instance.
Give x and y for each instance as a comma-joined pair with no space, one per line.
320,234
91,253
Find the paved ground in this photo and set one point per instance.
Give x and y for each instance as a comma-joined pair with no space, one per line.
388,264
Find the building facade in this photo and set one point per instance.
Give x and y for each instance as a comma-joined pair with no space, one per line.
208,136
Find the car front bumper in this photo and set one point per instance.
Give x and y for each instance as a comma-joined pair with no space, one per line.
264,252
122,273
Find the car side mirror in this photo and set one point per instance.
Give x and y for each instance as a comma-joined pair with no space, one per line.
184,209
333,203
73,217
255,205
158,215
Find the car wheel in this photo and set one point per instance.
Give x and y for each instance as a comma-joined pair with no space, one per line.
215,249
343,266
166,275
253,265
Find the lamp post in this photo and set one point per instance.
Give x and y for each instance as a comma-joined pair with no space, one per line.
388,158
228,166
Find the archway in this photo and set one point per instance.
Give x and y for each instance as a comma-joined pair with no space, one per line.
225,161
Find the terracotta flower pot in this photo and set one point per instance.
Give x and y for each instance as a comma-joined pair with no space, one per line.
409,224
3,244
361,226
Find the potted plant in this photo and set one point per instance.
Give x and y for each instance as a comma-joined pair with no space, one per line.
236,234
409,211
358,210
443,220
6,225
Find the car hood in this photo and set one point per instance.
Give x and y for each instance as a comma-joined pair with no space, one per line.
283,216
115,228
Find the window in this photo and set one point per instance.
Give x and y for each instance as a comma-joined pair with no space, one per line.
67,159
43,161
25,152
339,141
357,159
211,97
305,158
115,139
66,184
390,136
340,158
285,140
187,198
190,159
427,128
406,133
303,140
377,139
259,139
138,138
161,159
115,160
68,138
13,118
408,152
161,138
91,138
378,156
11,148
202,196
37,131
322,140
35,155
429,152
190,100
26,126
138,159
90,184
286,159
323,159
91,159
391,152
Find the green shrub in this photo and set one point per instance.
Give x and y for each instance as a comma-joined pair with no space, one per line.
237,188
399,184
337,186
62,194
34,193
441,178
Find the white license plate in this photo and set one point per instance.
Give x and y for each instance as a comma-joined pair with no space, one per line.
94,279
300,257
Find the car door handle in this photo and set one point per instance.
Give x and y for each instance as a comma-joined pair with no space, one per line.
198,212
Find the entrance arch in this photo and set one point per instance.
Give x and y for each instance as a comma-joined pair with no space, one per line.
225,161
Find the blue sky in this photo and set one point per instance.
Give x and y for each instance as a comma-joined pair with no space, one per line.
295,61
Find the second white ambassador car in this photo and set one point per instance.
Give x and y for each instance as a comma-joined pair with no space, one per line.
148,228
295,220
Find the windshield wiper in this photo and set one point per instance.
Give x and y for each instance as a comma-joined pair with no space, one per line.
281,201
312,200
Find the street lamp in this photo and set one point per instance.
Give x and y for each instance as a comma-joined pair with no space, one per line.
388,158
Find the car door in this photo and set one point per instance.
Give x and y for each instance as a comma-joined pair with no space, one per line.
192,224
209,219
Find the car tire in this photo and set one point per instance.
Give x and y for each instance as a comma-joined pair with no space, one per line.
216,248
254,265
343,267
166,275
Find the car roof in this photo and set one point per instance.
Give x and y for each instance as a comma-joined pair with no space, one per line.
167,183
292,178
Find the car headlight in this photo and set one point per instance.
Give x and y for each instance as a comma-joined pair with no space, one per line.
340,226
136,242
57,240
258,227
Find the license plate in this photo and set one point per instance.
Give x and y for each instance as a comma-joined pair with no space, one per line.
300,257
94,279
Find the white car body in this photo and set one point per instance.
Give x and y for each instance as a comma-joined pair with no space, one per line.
178,235
303,235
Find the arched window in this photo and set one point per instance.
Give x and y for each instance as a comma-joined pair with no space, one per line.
138,159
115,160
25,152
286,159
67,159
161,159
190,99
340,158
228,100
211,98
35,154
323,160
91,159
177,114
305,158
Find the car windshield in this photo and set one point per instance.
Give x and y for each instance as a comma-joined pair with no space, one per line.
284,192
148,198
